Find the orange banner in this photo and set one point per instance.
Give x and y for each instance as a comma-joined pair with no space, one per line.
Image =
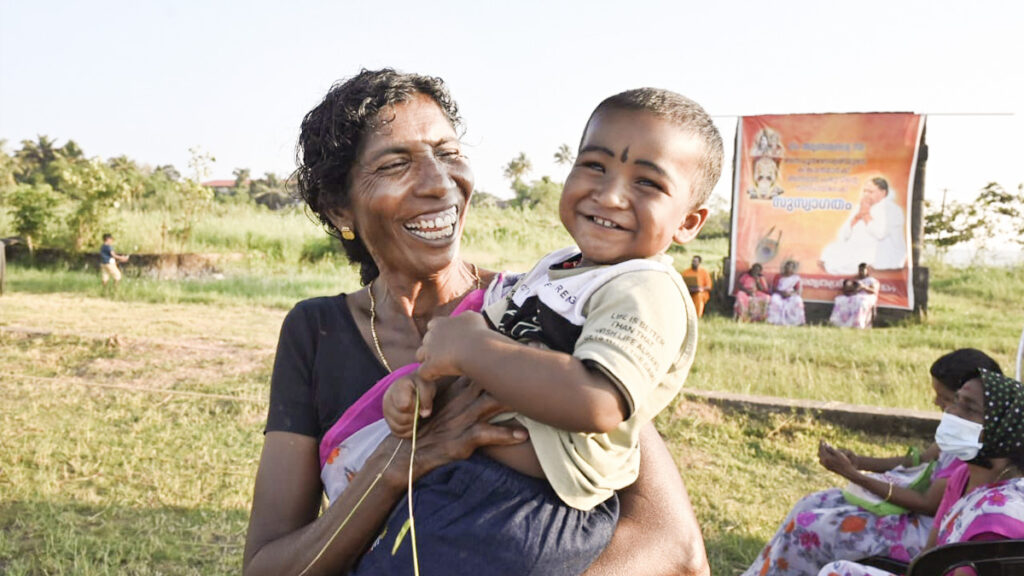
827,191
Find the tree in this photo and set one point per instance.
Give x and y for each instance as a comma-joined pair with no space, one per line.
242,182
34,206
8,167
517,168
97,189
34,161
564,156
542,195
996,214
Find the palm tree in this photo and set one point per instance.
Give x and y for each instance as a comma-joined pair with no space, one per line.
517,168
565,156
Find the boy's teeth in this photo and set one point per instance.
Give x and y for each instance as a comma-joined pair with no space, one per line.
605,223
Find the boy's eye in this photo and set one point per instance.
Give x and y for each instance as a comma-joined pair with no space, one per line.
647,183
592,165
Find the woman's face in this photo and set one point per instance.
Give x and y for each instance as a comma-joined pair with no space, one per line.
788,268
755,270
969,402
409,189
944,397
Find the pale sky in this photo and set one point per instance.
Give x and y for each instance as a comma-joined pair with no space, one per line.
151,79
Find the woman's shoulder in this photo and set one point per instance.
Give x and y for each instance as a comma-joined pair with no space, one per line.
321,310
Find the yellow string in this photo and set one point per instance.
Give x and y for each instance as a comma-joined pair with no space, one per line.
353,511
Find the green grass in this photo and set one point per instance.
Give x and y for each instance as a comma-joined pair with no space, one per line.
113,481
144,479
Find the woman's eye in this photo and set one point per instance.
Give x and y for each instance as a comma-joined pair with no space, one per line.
392,165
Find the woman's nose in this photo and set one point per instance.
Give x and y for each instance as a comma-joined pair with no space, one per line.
432,177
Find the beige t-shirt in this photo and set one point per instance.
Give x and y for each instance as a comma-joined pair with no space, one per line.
637,324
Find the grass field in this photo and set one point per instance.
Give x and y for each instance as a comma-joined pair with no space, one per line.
130,424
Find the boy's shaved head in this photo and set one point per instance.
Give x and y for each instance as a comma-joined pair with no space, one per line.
686,115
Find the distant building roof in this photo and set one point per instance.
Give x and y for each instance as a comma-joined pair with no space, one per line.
219,183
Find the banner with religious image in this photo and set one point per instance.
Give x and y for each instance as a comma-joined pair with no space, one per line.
828,192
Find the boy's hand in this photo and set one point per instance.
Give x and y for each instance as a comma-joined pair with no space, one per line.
445,343
400,403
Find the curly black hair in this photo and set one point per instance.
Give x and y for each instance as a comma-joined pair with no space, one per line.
331,133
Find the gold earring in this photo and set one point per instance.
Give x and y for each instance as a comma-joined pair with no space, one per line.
347,233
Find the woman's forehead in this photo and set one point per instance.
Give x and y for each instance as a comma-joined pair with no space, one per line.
417,120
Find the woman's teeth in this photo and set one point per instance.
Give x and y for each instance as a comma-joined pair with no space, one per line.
440,226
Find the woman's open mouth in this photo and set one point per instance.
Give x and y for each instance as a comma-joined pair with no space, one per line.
435,226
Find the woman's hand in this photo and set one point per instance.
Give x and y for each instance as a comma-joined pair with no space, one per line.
835,461
459,426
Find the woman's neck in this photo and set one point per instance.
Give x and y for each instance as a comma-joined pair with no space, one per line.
422,298
1002,469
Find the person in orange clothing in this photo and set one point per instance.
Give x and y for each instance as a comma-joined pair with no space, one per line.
699,282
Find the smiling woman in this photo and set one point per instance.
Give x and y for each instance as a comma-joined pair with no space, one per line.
382,167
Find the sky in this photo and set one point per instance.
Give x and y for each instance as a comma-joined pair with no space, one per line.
152,79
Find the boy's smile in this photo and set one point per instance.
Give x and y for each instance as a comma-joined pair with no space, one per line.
629,194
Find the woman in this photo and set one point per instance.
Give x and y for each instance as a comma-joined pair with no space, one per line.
983,500
381,166
824,526
751,296
786,307
855,306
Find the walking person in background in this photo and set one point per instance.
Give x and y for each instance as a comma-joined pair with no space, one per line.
698,281
108,261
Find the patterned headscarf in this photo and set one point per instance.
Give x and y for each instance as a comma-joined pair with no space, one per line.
1003,430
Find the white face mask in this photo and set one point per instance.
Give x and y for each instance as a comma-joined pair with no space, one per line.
958,437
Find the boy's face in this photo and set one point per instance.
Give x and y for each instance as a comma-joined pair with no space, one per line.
629,194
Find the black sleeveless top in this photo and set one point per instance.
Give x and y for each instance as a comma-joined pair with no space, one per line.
322,367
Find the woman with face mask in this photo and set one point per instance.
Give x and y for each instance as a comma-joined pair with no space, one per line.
983,500
825,526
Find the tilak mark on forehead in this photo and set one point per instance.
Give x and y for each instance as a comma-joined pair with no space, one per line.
625,155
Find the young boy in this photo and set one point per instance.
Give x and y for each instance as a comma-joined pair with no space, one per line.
610,331
108,261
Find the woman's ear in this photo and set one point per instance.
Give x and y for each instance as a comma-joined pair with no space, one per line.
690,226
340,218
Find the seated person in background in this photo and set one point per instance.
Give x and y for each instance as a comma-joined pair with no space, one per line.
698,282
586,348
983,500
786,307
855,306
751,296
824,526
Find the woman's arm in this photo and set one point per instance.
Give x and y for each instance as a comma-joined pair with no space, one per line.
285,534
657,533
923,503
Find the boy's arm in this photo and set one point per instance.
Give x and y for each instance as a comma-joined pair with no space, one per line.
551,387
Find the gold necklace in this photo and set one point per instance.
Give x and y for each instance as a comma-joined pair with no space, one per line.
1003,473
373,318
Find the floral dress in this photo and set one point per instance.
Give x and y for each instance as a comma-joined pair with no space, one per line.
995,510
823,527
